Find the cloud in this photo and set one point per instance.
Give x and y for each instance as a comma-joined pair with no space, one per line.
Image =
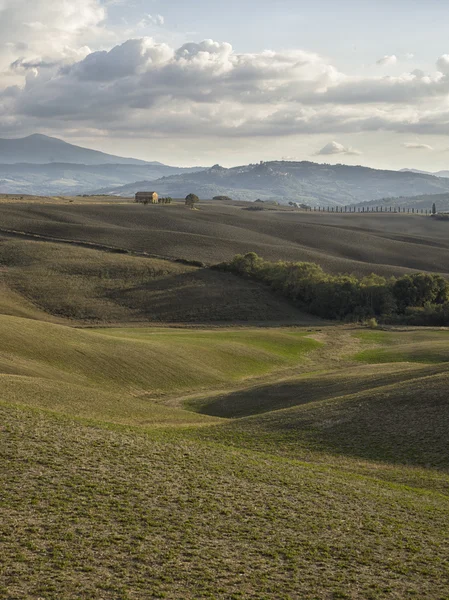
417,146
443,64
336,148
142,87
387,60
45,31
152,20
131,58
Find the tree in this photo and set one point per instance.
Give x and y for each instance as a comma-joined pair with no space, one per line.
191,200
222,198
434,209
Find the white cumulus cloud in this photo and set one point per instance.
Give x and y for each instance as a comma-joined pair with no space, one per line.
337,148
141,87
152,20
388,59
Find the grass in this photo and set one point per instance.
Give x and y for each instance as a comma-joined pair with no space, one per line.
401,423
217,462
101,513
306,388
146,362
280,344
78,283
93,404
362,244
67,282
421,346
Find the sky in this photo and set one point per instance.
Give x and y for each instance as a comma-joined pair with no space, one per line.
204,82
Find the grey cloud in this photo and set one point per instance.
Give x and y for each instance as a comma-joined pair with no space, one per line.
417,146
122,61
142,87
38,63
388,59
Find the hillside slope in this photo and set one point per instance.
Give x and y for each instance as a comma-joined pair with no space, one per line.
42,149
316,184
68,178
385,244
43,280
423,201
113,489
402,423
96,512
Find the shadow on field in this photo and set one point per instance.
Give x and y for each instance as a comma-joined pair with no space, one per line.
206,295
405,423
308,389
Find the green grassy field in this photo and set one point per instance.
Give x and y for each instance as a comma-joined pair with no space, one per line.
265,462
100,513
142,362
116,488
416,346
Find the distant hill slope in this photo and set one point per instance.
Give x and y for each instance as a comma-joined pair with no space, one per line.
70,178
298,181
443,173
423,201
388,244
42,149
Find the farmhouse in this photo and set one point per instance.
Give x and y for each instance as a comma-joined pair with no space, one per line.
147,197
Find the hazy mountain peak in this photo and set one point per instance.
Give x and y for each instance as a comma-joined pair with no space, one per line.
38,148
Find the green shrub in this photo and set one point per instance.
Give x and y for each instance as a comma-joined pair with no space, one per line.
372,323
347,297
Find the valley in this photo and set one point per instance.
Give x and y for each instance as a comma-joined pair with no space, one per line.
156,410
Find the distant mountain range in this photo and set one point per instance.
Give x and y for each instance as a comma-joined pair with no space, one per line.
41,149
43,165
437,173
66,179
315,184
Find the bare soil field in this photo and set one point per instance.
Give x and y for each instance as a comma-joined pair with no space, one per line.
358,243
82,286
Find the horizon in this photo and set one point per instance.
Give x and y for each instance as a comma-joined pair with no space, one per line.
184,84
289,160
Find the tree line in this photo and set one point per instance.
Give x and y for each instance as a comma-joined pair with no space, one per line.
366,209
418,298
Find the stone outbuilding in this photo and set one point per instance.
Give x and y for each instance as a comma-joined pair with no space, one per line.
147,197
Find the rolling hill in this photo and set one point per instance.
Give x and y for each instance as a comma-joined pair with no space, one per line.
443,173
153,446
315,184
362,244
79,285
112,484
423,201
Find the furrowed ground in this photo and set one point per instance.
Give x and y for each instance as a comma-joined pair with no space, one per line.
388,244
73,284
296,460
